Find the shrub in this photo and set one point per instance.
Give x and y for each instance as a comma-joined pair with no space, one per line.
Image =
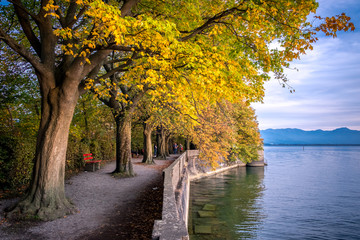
16,161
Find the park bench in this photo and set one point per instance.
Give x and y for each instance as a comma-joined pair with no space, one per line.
90,164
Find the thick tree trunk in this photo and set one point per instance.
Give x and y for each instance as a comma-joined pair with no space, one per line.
148,153
59,87
123,146
162,144
46,196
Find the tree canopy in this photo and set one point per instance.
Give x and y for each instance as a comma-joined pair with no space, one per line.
200,58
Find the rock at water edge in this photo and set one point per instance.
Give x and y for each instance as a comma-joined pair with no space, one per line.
202,229
206,214
209,207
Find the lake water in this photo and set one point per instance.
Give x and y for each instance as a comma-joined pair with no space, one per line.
310,193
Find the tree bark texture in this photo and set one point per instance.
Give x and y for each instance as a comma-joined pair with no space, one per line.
123,146
162,144
148,150
46,197
187,144
168,146
59,79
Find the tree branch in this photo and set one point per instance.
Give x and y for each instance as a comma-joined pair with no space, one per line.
127,6
23,16
113,71
122,48
116,60
233,30
60,14
22,51
95,59
91,75
70,18
18,4
209,23
119,68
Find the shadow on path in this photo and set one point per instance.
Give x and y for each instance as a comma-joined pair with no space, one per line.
108,208
137,220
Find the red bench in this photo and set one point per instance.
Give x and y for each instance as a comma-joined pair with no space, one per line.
90,164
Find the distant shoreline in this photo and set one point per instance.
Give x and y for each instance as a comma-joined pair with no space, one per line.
300,145
298,137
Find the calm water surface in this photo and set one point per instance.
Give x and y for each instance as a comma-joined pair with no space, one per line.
302,194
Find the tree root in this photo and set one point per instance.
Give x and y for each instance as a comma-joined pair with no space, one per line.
26,210
116,174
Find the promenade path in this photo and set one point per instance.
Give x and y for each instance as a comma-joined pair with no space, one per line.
108,207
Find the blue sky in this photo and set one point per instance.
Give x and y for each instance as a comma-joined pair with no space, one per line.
327,85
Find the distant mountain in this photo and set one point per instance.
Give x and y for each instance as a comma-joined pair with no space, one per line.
298,136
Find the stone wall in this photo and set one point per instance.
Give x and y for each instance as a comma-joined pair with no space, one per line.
177,177
173,225
258,163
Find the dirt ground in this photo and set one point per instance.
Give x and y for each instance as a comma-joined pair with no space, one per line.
108,207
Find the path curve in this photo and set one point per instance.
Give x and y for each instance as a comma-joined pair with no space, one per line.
98,197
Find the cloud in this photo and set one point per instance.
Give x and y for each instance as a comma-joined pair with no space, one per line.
327,89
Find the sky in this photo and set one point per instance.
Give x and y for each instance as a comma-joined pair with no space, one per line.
327,83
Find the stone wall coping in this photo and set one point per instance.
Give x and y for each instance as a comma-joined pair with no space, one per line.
219,170
171,226
177,177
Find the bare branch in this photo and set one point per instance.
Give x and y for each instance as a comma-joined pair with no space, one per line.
210,22
239,38
116,60
22,51
119,68
71,19
18,4
23,16
60,14
122,48
113,71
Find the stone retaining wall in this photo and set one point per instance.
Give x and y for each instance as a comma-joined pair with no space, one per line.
177,177
173,225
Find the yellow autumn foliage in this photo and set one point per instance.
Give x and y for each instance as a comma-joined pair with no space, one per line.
194,54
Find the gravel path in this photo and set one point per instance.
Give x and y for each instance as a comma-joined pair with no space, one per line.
98,197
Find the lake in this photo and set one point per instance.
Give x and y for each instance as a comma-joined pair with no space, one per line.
310,193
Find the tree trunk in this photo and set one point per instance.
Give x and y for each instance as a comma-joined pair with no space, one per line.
123,146
59,79
157,142
46,196
169,147
187,144
162,144
11,119
148,153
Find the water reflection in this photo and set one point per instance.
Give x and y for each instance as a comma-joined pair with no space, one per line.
228,205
